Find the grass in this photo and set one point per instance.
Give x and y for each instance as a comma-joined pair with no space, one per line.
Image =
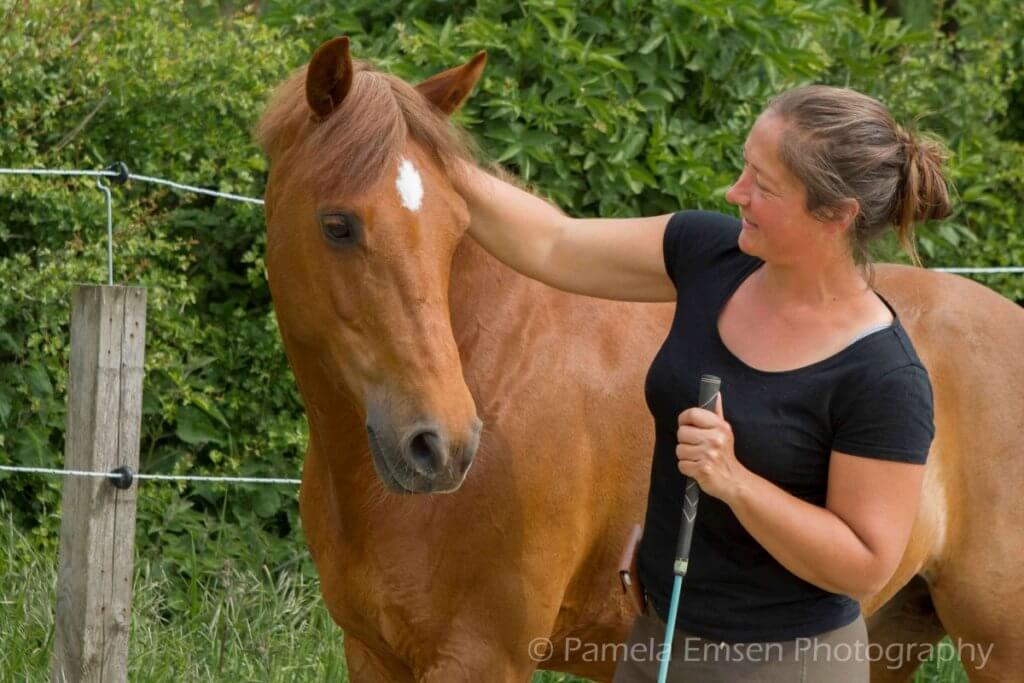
233,625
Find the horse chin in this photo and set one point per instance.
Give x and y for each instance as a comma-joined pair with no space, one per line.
415,485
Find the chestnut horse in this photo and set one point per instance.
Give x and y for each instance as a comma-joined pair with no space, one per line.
417,354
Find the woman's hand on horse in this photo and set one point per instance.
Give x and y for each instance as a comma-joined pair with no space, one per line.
705,451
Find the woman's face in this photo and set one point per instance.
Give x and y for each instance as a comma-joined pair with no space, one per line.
776,224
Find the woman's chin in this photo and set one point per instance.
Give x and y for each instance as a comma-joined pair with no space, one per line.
746,242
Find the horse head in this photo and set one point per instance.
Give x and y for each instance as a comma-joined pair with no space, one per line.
362,223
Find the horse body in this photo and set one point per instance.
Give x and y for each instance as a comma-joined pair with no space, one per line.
528,545
408,337
962,571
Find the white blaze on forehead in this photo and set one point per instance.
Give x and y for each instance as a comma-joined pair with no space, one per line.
410,186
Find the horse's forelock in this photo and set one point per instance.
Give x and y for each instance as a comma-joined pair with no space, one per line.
358,142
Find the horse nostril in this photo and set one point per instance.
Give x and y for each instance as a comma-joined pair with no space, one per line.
426,454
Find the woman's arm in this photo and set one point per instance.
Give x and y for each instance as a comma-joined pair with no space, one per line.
851,546
608,258
854,544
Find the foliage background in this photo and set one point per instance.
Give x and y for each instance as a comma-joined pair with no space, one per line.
610,107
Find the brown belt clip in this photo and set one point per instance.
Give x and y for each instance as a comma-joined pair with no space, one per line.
627,569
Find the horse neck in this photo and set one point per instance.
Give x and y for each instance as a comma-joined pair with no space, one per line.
479,284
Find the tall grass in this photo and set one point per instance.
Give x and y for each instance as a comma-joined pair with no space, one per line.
233,625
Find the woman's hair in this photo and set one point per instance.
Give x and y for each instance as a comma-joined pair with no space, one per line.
843,144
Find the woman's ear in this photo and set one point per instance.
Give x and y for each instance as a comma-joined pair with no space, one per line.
851,208
841,216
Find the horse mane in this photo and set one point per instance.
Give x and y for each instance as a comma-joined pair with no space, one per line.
363,137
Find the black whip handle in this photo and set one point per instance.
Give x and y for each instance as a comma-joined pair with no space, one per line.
709,388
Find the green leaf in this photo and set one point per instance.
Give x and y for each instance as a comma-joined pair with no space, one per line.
210,409
5,403
39,382
7,342
510,152
31,447
608,60
652,44
949,234
267,501
194,427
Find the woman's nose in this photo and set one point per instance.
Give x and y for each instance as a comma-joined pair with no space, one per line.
736,195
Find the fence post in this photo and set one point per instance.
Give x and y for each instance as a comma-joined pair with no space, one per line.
97,533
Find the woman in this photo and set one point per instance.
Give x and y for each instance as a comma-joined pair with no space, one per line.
811,464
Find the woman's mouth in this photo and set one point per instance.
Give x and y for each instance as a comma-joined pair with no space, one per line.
748,225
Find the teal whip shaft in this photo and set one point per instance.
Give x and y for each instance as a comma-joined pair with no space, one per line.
709,388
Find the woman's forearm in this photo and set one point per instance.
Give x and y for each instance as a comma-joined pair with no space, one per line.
808,540
510,223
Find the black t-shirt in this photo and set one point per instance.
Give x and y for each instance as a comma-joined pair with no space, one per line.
872,399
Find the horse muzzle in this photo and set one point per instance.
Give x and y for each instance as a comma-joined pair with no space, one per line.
421,458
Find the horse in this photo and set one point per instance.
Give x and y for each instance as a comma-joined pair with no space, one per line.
479,444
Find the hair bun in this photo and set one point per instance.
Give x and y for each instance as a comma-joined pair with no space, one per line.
910,149
923,193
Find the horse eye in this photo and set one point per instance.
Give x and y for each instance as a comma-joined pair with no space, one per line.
339,228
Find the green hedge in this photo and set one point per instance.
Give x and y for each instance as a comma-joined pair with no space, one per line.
619,108
610,107
176,99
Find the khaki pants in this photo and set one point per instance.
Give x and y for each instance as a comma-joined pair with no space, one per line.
837,656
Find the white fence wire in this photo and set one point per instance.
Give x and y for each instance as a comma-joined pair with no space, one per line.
121,175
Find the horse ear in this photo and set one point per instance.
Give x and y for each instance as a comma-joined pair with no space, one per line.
329,76
449,89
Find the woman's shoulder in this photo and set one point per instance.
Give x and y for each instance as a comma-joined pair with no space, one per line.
882,368
698,240
880,351
699,225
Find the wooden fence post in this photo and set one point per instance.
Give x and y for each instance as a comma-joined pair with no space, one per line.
97,533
